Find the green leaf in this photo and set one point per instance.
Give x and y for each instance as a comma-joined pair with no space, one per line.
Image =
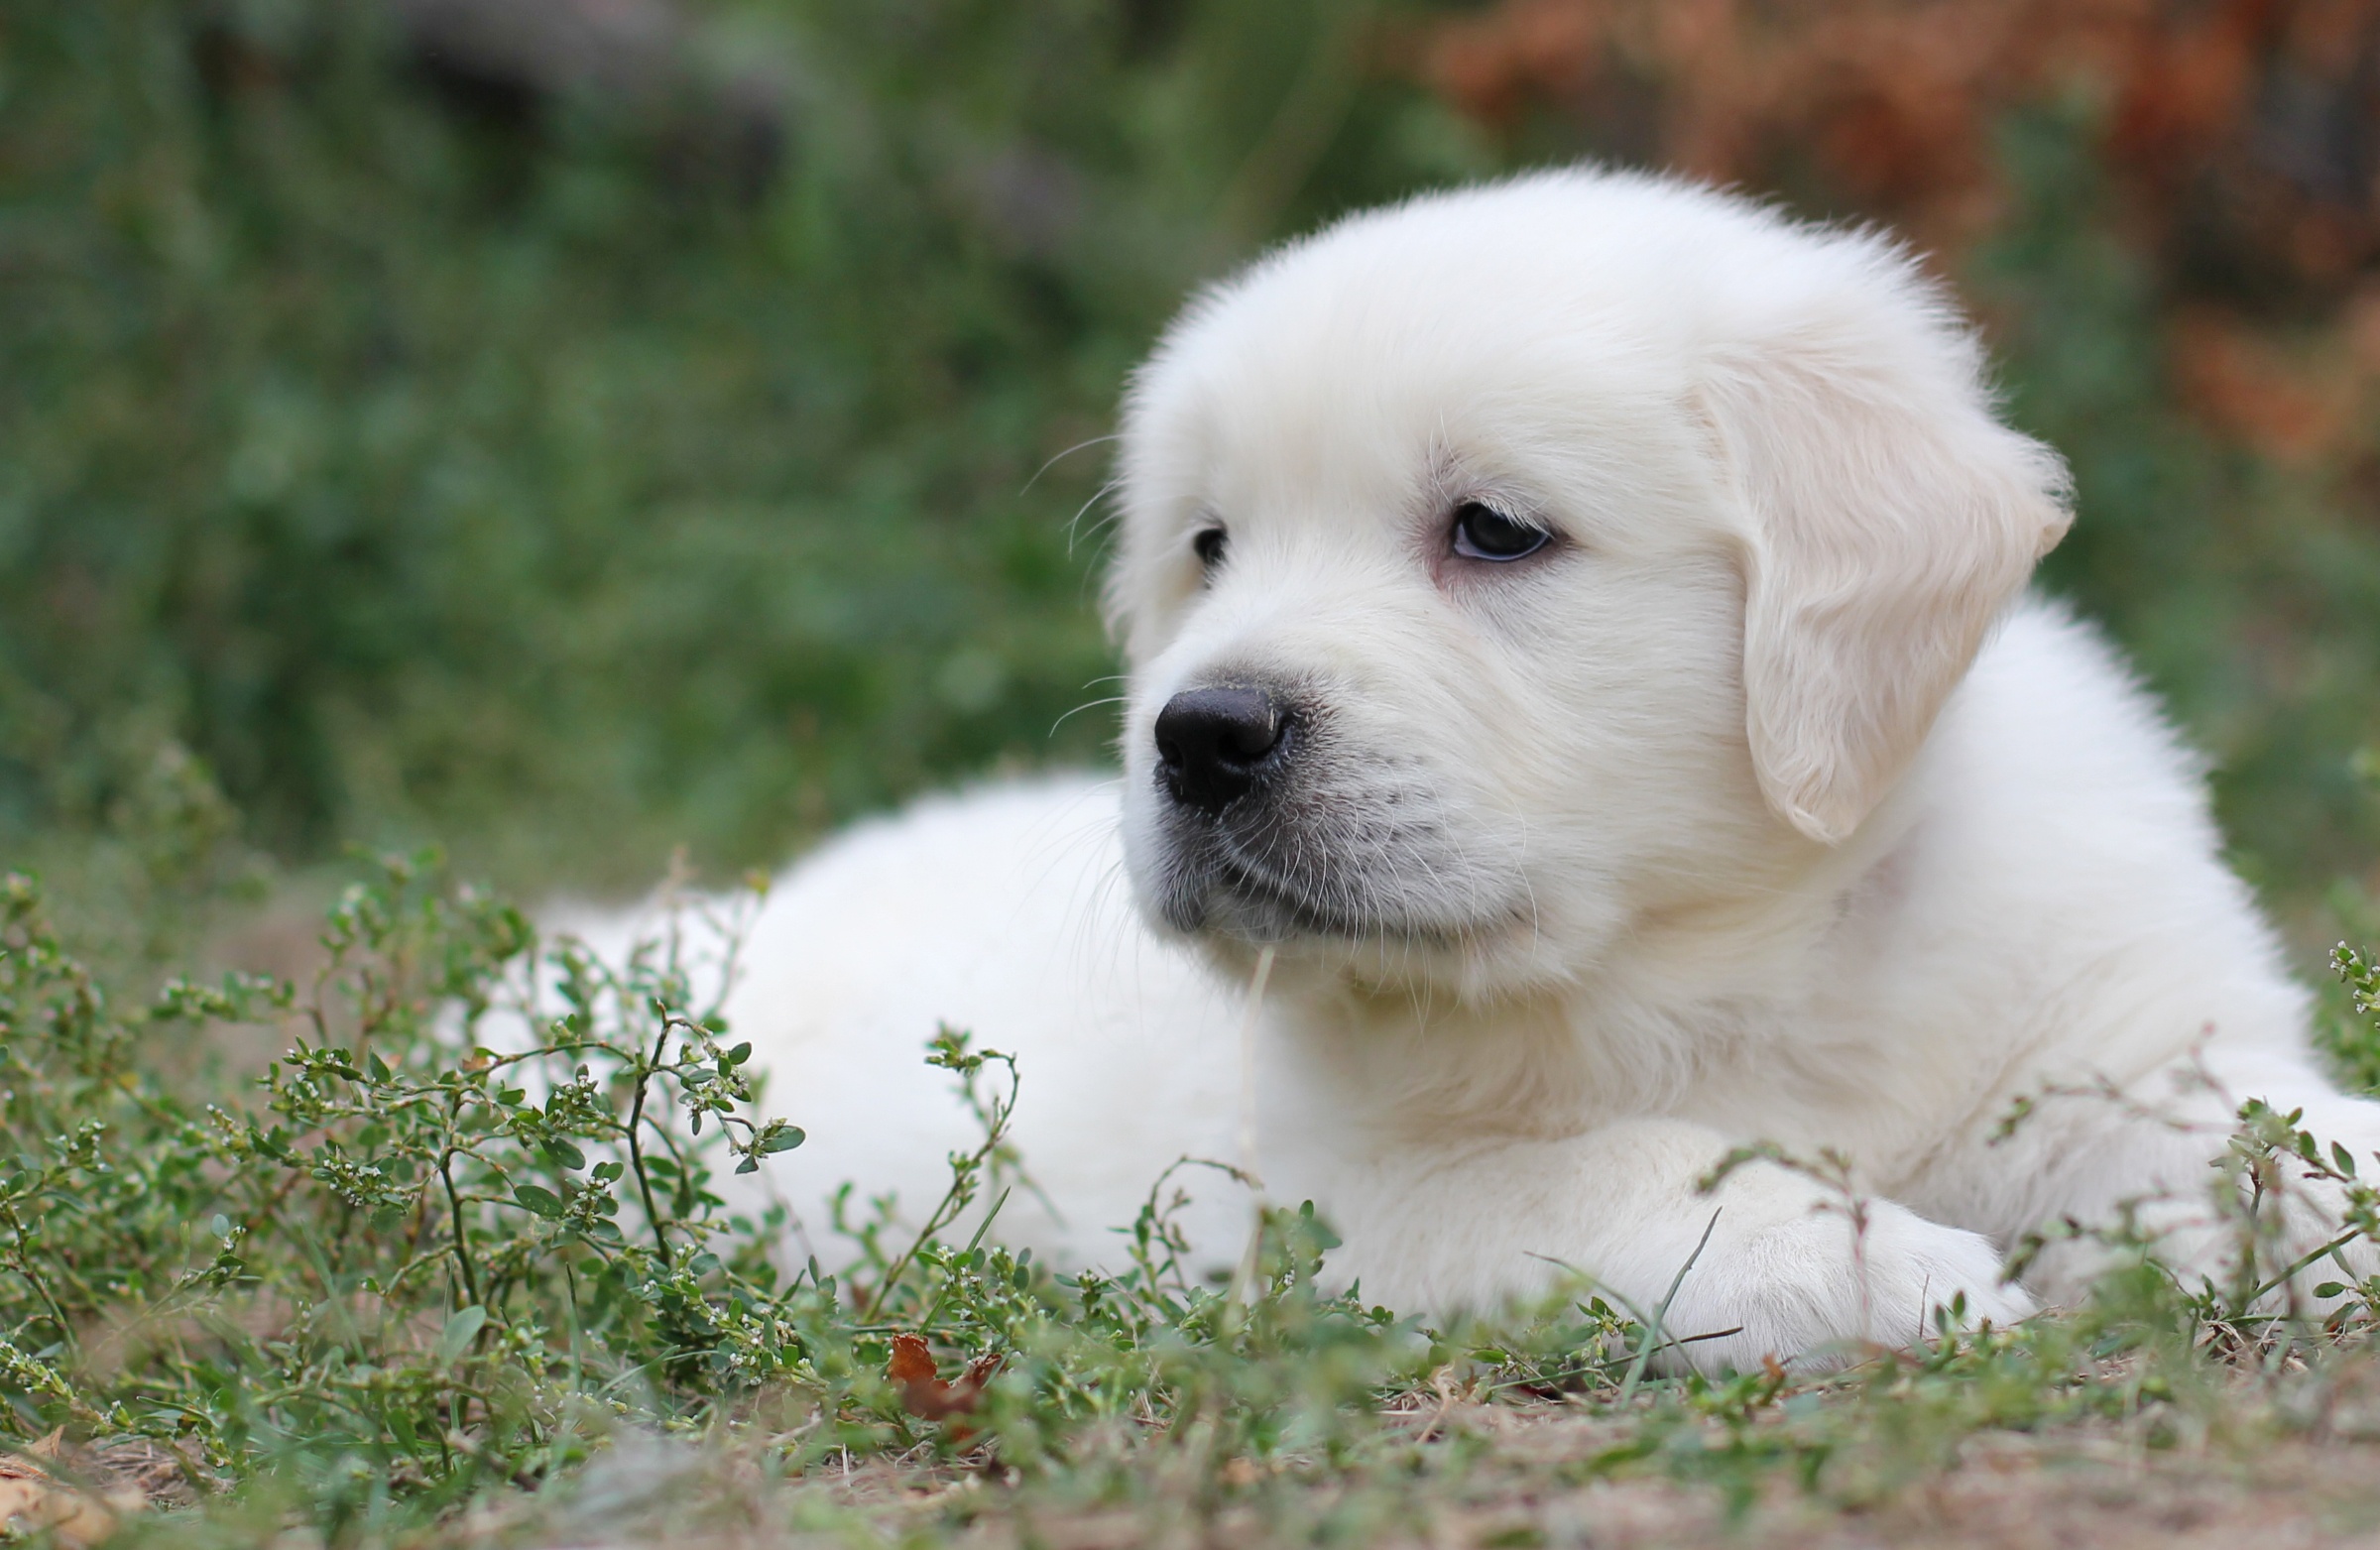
1324,1239
786,1140
462,1329
538,1198
741,1053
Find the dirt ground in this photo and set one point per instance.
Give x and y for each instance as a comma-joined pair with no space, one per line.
2006,1491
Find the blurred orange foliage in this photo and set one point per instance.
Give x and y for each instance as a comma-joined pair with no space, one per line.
2241,140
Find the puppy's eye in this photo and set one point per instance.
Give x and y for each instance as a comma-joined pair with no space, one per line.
1483,532
1209,547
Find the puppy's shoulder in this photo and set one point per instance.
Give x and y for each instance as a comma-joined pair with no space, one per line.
2064,838
2053,715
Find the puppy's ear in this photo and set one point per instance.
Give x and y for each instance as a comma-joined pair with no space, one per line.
1890,518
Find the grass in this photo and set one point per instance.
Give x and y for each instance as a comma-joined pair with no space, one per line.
456,1270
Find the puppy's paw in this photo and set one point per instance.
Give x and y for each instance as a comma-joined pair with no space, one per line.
1808,1292
1914,1266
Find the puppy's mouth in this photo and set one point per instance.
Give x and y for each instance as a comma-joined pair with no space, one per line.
1263,908
1213,887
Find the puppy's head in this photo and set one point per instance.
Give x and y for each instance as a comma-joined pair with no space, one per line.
1504,568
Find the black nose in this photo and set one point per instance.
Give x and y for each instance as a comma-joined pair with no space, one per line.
1213,744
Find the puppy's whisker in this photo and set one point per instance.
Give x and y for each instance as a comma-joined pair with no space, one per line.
1060,457
1113,699
1074,524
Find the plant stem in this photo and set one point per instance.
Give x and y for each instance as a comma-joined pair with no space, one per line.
454,1211
636,1152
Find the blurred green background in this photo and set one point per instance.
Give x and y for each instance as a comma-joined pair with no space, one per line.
573,429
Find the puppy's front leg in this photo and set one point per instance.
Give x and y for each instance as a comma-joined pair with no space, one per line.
1780,1273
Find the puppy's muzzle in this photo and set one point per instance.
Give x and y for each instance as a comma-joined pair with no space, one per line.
1216,745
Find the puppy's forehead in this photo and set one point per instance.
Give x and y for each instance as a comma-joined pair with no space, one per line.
1430,335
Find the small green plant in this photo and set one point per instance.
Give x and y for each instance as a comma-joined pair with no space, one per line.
413,1256
469,1233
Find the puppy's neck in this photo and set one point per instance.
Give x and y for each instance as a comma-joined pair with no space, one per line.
1701,981
1760,937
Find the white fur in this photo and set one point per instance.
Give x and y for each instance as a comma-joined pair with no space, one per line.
1762,807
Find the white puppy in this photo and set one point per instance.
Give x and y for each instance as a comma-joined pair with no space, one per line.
1574,628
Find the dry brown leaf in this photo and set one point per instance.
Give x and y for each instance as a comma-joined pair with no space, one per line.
923,1393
